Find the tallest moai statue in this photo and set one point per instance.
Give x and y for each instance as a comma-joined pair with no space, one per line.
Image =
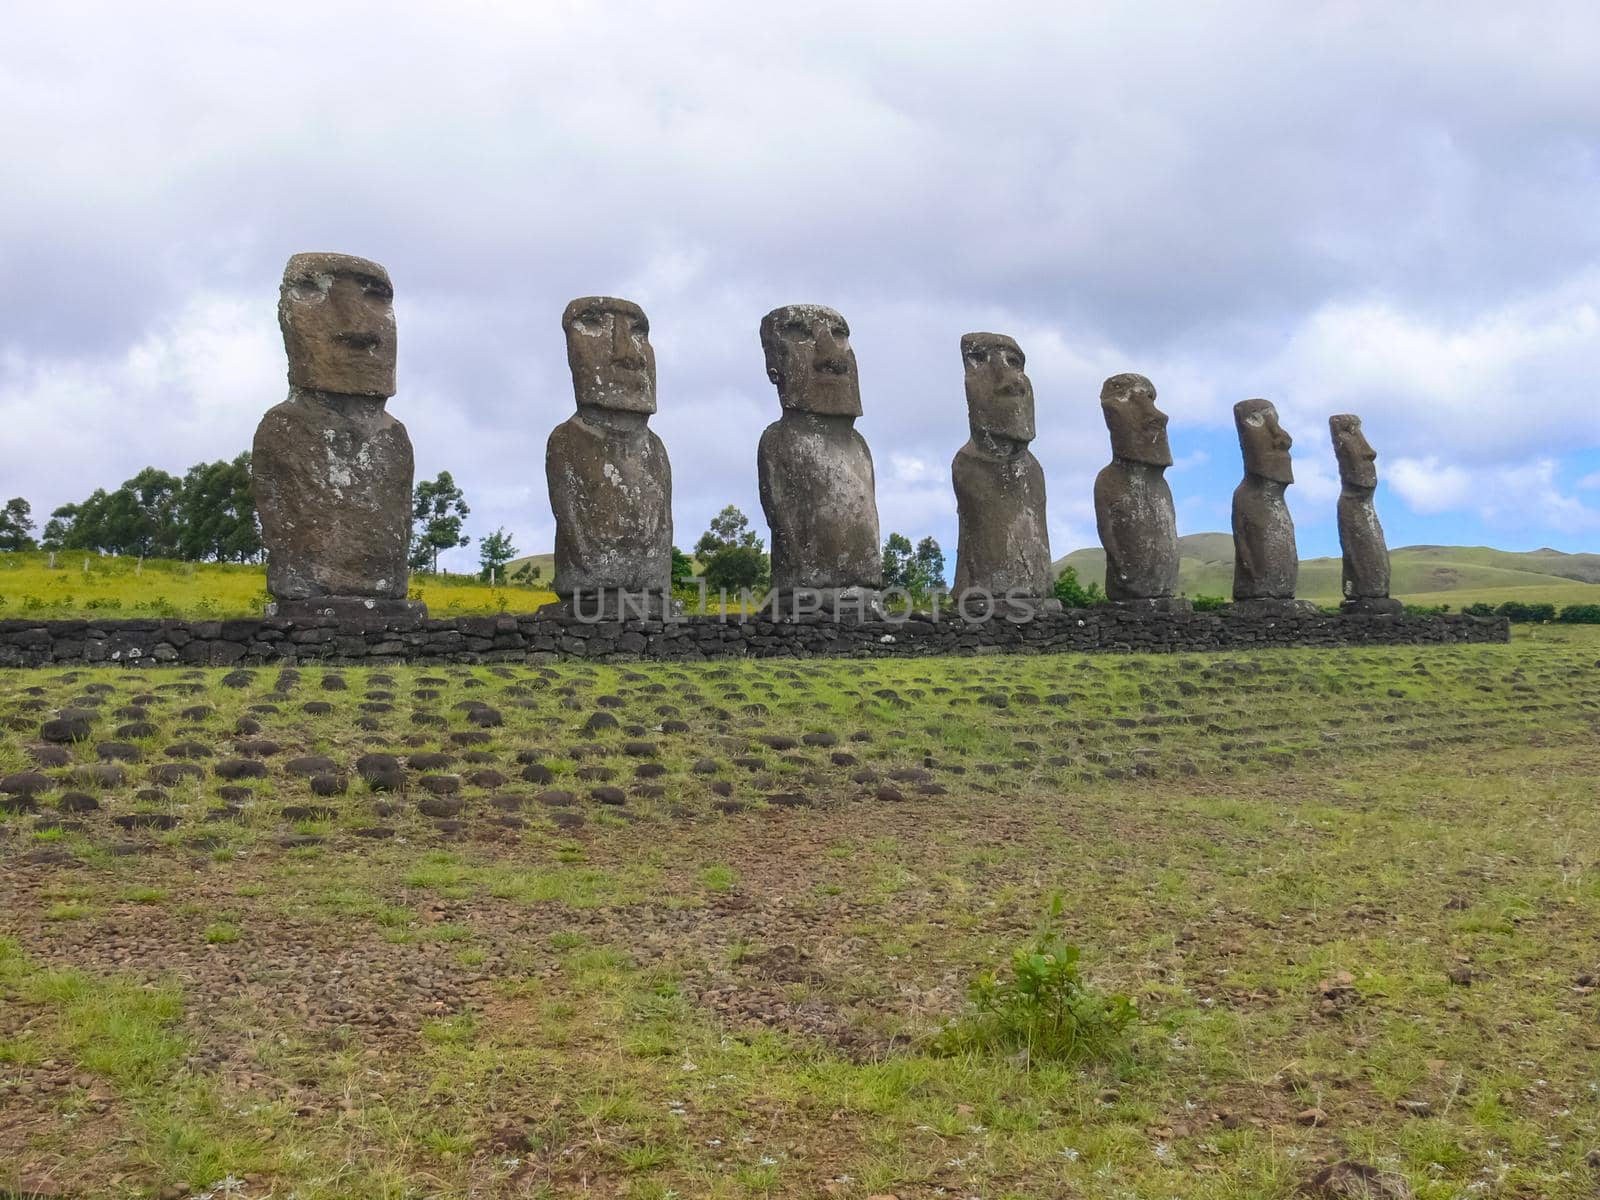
331,470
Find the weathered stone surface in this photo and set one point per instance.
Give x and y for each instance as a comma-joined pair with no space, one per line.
529,638
609,478
1003,545
818,489
331,470
1132,502
1266,563
1366,554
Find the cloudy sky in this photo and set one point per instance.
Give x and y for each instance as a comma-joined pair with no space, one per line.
1385,209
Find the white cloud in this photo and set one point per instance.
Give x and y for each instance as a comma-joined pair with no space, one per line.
1522,496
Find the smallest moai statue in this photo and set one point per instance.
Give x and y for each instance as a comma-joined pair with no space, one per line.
1133,506
1366,554
1266,562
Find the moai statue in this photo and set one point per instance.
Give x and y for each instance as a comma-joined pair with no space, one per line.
1132,502
1366,554
331,470
1266,564
817,485
1004,546
609,478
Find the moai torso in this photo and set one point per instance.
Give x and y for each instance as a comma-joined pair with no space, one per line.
1133,506
611,493
330,469
1266,563
819,496
817,485
1138,528
332,480
1004,543
609,479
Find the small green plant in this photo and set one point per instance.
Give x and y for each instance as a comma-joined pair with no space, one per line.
1209,603
1073,594
221,934
1044,1008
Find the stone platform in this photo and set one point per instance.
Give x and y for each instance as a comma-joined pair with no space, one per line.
527,638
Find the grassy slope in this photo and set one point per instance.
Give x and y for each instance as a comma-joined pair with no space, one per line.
1455,575
83,585
1282,856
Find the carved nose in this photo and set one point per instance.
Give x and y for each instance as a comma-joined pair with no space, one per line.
623,353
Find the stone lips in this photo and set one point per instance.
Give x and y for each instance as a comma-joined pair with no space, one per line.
531,638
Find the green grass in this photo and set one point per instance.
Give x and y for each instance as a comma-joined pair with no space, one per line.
1280,857
106,586
1429,575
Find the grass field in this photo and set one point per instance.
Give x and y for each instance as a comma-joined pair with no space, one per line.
698,952
89,585
1453,575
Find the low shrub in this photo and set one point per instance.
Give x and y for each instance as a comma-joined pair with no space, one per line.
1044,1008
1580,614
1073,594
1208,603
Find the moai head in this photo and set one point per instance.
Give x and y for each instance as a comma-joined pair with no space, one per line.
999,394
337,316
1357,459
810,359
608,349
1263,441
1138,428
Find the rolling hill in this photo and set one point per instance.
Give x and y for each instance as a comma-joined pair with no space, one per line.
1454,575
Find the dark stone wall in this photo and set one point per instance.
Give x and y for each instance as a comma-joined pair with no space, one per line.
528,638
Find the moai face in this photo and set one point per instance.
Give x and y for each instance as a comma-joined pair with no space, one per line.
810,359
337,316
1357,459
1138,428
999,394
1263,441
608,349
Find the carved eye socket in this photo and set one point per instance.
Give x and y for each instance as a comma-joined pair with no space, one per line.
977,357
641,327
588,322
1014,359
375,288
305,289
797,327
840,332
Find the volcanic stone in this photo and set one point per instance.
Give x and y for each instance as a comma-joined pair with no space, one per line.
1132,501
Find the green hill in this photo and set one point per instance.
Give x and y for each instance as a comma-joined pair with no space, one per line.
1454,575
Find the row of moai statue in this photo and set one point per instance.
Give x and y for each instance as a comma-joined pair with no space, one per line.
332,471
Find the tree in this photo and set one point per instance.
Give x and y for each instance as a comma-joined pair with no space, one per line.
735,567
16,525
217,512
494,552
682,567
58,527
897,561
730,553
729,528
1073,594
437,510
928,564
